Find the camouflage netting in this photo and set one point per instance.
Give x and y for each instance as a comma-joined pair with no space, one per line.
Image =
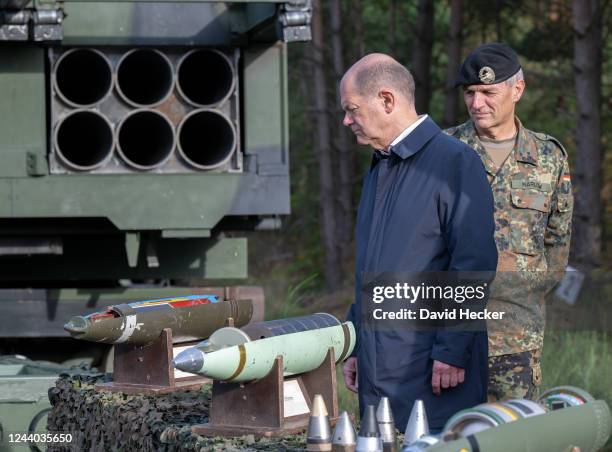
102,421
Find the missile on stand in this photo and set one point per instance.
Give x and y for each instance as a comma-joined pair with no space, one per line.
301,352
190,318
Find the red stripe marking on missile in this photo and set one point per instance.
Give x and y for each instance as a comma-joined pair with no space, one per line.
96,317
176,303
185,303
241,362
147,304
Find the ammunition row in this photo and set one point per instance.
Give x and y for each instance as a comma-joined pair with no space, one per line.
143,77
144,139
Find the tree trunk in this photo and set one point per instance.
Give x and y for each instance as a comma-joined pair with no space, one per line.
454,40
498,20
323,153
345,154
421,54
357,19
586,240
392,28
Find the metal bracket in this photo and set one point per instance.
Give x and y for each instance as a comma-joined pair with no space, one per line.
14,25
132,247
48,25
32,24
151,251
35,166
294,18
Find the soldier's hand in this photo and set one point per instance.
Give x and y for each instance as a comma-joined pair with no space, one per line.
350,373
445,376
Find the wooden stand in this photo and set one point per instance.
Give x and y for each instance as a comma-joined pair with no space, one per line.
147,369
261,407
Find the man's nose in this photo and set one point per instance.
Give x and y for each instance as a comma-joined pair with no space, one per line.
478,101
347,121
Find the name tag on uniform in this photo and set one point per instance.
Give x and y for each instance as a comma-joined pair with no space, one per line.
531,184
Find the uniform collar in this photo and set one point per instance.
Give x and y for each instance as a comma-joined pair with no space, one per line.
525,148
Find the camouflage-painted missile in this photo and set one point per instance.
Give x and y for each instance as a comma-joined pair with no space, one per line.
191,318
301,352
585,426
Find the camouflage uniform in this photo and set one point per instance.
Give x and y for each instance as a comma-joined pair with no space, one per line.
533,211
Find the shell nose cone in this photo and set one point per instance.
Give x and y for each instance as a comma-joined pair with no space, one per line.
383,411
344,434
417,423
190,360
369,425
76,326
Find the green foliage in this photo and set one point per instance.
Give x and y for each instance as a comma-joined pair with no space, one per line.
579,358
293,305
582,359
347,400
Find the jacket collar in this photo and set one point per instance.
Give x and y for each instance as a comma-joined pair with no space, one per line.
416,140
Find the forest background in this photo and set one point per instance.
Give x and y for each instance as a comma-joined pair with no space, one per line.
564,47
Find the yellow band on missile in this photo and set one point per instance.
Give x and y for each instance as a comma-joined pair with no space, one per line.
241,362
347,342
506,410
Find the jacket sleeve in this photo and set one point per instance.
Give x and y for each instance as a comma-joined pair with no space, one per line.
466,216
559,226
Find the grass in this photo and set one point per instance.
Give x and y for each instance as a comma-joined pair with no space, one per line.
582,359
347,400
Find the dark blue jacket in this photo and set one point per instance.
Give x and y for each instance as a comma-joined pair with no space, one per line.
434,212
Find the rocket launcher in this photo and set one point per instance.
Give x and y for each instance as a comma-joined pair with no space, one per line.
191,318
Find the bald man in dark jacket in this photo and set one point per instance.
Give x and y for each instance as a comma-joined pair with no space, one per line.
426,206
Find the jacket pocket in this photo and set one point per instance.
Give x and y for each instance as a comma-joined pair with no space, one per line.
565,203
528,221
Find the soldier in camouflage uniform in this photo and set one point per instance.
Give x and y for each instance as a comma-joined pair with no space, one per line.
530,179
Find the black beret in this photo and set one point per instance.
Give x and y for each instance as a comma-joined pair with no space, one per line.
488,64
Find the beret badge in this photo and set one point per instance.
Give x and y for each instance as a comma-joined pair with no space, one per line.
486,75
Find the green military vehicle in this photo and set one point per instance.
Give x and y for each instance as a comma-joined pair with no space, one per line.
138,141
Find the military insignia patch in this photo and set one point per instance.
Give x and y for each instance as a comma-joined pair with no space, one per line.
486,75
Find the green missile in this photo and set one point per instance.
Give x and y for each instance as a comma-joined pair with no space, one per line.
191,318
301,352
586,426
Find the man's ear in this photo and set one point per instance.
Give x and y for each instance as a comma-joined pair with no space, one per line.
388,100
517,90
